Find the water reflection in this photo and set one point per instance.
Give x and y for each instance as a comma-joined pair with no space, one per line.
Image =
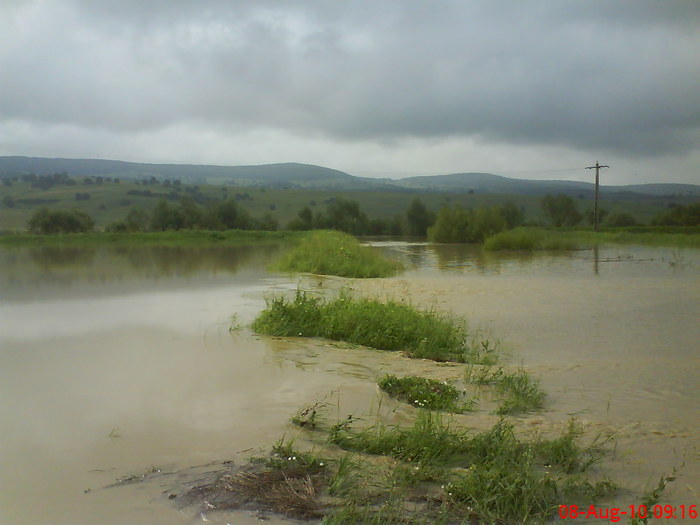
51,270
597,261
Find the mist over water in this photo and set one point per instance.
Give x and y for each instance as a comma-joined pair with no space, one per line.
113,360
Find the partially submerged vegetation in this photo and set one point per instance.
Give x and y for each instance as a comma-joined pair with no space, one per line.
389,325
423,392
433,471
336,253
518,391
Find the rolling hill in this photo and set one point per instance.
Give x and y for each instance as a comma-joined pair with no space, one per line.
307,176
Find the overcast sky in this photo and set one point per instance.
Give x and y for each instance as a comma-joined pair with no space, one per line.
527,89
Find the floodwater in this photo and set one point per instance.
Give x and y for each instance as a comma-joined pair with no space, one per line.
115,362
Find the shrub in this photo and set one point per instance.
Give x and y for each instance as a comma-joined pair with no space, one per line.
60,221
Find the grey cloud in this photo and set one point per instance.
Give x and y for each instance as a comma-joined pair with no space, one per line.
621,76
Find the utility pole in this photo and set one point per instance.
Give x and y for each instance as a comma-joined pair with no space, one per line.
597,183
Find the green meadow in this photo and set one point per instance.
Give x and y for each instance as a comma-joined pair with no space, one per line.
109,201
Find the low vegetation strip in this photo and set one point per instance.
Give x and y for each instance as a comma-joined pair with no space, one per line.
386,325
335,253
531,238
181,237
528,239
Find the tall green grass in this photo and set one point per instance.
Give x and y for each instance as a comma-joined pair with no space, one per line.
386,325
336,253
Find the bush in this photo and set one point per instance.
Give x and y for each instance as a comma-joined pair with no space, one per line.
680,216
621,219
47,221
561,210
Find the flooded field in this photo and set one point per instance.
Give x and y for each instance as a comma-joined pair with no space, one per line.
115,362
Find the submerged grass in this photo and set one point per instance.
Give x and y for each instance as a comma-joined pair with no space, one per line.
518,391
432,471
386,325
336,253
423,393
492,476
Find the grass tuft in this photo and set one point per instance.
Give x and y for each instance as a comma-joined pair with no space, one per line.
387,325
336,253
520,393
423,393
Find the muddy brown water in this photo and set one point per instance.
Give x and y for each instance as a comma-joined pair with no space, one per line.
115,362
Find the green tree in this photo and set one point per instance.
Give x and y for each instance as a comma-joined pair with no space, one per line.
137,220
303,221
621,219
680,216
344,215
60,221
451,225
419,218
166,217
227,215
561,210
513,215
486,222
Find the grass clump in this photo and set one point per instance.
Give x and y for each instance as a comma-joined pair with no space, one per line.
422,392
428,441
336,253
518,391
387,325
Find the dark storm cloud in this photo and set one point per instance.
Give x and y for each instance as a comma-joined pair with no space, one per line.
621,76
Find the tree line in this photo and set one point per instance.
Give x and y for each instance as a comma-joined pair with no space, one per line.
450,224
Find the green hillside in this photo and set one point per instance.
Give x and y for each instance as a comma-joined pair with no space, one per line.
109,199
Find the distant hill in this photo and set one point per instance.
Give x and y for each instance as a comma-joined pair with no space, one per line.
307,176
289,175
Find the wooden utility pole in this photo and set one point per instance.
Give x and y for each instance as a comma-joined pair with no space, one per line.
597,183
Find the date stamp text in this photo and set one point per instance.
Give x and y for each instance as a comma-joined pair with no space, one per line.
615,514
